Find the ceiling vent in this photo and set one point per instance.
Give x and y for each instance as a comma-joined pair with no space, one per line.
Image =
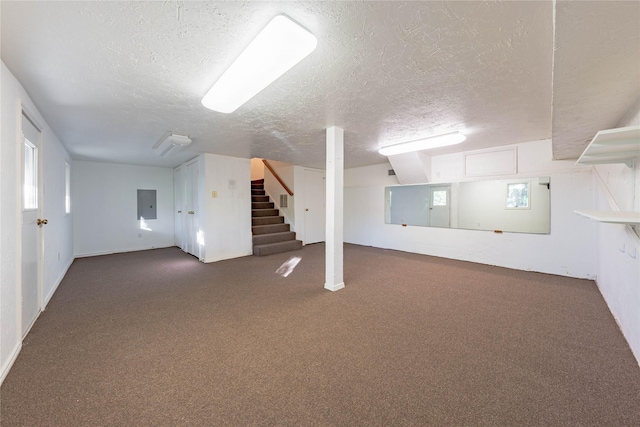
170,144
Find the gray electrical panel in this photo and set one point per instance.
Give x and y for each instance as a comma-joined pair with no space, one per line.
147,204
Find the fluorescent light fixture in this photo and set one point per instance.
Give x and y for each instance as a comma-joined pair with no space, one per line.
170,144
279,46
423,144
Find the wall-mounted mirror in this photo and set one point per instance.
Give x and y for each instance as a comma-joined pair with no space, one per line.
515,205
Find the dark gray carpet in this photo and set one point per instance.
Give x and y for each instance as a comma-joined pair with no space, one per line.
158,338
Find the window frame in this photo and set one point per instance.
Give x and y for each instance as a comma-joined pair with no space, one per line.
508,191
34,197
67,188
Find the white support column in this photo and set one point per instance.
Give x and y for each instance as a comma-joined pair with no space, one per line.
335,206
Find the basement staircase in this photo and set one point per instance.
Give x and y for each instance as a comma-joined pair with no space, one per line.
270,234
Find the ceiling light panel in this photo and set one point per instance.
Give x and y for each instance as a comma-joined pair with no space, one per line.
423,144
279,46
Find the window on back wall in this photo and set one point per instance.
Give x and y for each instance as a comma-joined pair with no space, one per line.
518,195
67,187
440,198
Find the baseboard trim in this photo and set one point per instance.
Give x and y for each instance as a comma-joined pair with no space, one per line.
55,286
335,287
120,251
7,367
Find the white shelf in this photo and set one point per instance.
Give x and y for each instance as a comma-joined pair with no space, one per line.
614,217
619,145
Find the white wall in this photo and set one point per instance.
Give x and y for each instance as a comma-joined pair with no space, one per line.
257,169
568,250
618,262
58,233
227,217
105,208
286,172
57,250
618,255
364,203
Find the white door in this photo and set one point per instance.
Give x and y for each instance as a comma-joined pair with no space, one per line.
192,236
314,207
439,209
31,223
179,214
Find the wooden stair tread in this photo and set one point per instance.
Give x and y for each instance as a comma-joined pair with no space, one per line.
277,247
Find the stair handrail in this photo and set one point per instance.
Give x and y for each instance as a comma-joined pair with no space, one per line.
275,174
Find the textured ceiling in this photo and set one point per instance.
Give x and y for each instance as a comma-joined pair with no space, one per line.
596,75
112,77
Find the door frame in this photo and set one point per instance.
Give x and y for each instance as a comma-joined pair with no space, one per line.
178,191
25,110
192,223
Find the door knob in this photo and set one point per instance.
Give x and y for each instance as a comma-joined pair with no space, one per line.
306,210
179,211
191,212
41,221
